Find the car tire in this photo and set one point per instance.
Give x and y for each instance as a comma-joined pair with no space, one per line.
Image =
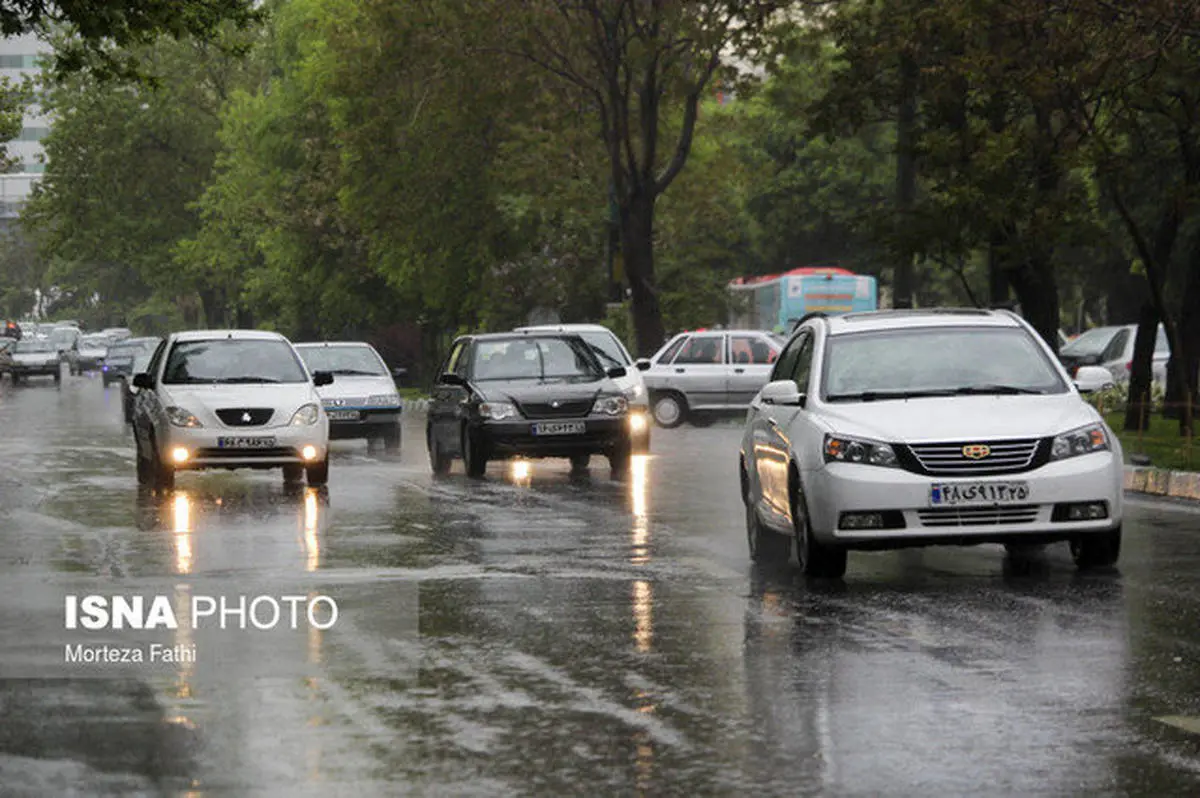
292,473
161,474
474,457
391,440
620,458
318,473
439,461
579,462
669,410
815,559
1097,550
766,547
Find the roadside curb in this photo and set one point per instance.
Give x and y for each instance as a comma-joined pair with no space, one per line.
1161,482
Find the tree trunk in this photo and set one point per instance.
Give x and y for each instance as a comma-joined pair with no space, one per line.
637,247
1125,291
1182,382
1137,412
1037,292
906,179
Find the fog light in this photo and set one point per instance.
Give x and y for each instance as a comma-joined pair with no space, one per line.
309,452
873,519
179,454
1080,511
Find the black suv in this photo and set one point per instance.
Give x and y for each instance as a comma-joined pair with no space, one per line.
507,395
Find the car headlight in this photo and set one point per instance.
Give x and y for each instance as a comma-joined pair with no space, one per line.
306,416
498,411
611,405
635,392
1084,440
182,418
384,399
841,449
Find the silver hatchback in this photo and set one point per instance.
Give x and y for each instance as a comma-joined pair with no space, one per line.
708,371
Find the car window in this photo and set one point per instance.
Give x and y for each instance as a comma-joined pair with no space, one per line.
1116,347
751,350
672,349
349,361
702,349
606,347
785,366
1091,342
802,371
156,359
232,360
938,359
455,363
534,359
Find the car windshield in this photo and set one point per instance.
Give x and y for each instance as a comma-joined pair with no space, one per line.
64,336
604,346
535,359
122,351
1091,342
34,345
94,342
232,360
940,361
344,360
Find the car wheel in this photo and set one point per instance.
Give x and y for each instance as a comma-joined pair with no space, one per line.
620,458
439,461
292,473
815,558
391,440
579,462
474,457
670,410
318,474
766,547
1097,550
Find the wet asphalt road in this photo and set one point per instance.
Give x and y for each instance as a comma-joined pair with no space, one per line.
576,635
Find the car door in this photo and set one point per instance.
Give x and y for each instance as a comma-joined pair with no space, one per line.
446,400
699,370
774,431
751,359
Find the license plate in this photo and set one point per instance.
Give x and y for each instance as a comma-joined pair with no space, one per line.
965,494
559,428
342,415
262,442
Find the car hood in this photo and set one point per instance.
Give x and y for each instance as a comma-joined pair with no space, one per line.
537,391
34,357
960,418
286,396
351,387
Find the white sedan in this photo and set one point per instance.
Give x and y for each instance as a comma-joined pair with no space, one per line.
911,428
229,399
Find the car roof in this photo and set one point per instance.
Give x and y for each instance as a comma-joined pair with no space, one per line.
564,328
870,321
241,335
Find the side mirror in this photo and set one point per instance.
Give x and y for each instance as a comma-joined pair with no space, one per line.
616,372
643,364
782,392
1092,378
143,381
450,378
322,378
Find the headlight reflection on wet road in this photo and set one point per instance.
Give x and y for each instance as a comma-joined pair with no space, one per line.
638,485
182,507
312,518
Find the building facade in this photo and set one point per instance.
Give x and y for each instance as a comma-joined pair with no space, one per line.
19,58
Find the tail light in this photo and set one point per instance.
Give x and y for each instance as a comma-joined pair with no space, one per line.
1074,371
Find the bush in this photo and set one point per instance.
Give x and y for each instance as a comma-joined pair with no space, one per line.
1117,398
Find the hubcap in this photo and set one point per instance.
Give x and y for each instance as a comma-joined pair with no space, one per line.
667,411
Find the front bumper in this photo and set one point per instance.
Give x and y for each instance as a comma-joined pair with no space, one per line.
905,498
516,437
43,370
205,450
371,422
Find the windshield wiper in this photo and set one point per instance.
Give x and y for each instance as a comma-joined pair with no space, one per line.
357,373
244,380
871,396
997,389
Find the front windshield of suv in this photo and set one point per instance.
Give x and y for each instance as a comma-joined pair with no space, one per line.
535,359
353,361
232,360
941,361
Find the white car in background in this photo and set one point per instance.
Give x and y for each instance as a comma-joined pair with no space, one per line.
612,353
908,428
229,399
1112,348
362,402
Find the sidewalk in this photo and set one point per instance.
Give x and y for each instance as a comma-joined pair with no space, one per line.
1160,482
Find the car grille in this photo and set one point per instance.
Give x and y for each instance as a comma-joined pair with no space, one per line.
948,460
344,401
978,516
245,416
233,454
569,408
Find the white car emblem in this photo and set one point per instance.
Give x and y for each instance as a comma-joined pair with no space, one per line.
245,418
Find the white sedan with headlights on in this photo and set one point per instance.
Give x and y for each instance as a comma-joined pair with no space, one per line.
363,402
892,429
229,399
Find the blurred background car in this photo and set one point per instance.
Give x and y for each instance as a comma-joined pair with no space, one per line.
92,349
141,361
119,358
117,333
65,339
34,357
362,402
1112,348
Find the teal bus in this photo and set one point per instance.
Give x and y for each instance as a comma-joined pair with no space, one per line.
778,301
